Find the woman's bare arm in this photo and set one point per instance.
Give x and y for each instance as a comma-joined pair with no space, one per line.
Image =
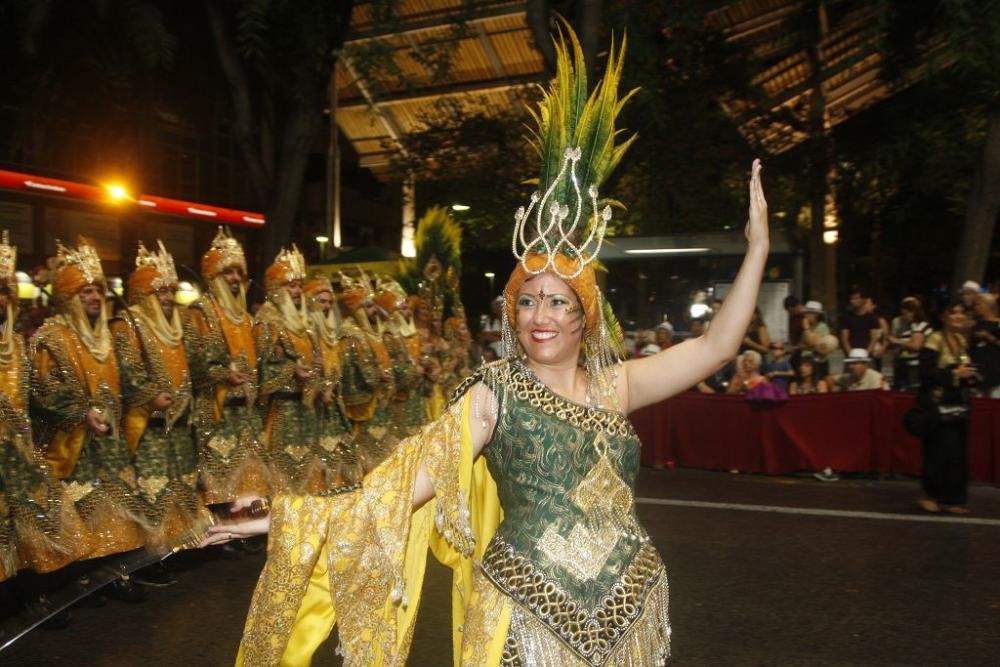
654,378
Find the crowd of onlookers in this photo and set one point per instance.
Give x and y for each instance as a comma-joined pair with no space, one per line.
869,349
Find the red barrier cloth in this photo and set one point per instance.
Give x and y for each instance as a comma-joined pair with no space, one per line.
849,432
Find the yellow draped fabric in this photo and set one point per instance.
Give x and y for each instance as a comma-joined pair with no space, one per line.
359,558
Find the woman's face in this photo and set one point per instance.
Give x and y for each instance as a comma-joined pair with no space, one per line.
955,317
806,369
549,320
750,364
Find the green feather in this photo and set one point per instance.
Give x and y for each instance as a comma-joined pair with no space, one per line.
567,117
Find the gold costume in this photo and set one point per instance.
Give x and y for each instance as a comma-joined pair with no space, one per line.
563,575
218,334
75,373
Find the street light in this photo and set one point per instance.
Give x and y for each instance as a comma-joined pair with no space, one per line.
118,192
491,276
460,207
322,240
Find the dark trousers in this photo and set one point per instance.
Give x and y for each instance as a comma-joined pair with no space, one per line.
946,463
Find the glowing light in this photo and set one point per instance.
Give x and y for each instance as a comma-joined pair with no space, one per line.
118,192
666,251
201,211
831,236
186,293
322,239
490,275
45,186
460,207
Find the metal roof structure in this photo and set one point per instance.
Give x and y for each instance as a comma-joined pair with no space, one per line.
491,51
492,58
769,31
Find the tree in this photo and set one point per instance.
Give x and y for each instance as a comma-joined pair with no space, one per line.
972,28
276,57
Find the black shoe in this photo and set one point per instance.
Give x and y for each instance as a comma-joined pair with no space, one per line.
125,590
57,621
156,575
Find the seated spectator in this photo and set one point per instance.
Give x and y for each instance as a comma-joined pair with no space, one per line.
643,337
663,335
794,309
779,368
650,350
747,375
806,380
985,345
698,327
757,338
815,333
859,376
915,330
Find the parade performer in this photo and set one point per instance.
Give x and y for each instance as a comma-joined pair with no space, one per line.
408,410
290,377
432,276
156,389
459,361
367,384
39,528
339,454
218,332
76,407
568,576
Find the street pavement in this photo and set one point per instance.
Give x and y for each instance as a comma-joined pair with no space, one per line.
764,571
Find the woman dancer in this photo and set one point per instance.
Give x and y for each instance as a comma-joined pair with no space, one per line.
568,576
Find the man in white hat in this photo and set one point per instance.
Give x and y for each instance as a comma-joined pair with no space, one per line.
970,294
859,376
816,337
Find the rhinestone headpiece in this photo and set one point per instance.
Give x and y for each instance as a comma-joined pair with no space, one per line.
162,261
361,282
553,226
228,249
8,262
84,258
295,262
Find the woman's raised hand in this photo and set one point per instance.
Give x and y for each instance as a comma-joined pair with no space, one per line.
756,229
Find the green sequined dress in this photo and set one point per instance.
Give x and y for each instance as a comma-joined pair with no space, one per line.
587,586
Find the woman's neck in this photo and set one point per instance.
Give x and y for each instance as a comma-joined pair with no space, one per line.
560,378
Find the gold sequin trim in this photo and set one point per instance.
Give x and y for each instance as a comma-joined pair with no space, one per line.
591,634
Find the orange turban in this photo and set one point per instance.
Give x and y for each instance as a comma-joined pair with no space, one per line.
584,285
387,301
225,252
317,284
143,282
353,299
76,268
289,265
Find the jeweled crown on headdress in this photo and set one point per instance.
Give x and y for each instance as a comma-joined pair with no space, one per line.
226,251
161,261
575,139
8,262
361,282
83,258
